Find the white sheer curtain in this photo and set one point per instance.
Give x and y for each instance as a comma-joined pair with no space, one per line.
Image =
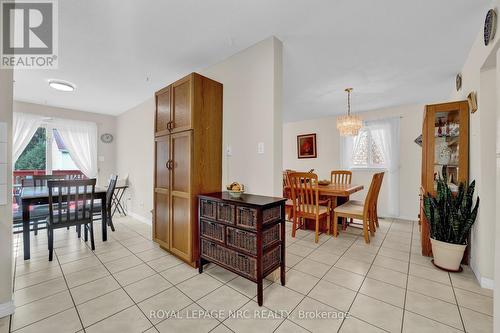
80,137
385,134
24,126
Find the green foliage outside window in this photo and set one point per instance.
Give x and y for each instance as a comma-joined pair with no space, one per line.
33,157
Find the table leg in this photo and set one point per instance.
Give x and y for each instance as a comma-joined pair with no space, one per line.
26,231
119,203
104,220
283,256
260,293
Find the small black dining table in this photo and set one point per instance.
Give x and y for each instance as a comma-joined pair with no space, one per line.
39,195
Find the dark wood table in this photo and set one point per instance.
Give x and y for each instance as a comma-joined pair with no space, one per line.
40,196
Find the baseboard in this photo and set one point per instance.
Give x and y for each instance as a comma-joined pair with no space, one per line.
487,283
6,309
140,218
409,219
483,282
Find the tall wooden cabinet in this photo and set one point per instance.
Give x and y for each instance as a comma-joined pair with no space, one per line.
445,152
188,160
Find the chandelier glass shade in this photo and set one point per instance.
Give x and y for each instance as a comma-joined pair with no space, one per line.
349,125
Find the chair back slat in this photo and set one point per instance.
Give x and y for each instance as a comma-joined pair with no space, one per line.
41,180
305,192
372,195
341,177
64,201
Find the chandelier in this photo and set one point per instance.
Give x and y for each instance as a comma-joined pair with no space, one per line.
349,125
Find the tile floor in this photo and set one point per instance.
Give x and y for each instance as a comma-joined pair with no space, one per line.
384,286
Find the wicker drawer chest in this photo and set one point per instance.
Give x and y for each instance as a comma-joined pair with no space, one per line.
244,235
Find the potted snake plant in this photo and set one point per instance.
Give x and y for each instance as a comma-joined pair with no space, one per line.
450,217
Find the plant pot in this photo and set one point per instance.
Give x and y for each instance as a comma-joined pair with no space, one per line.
446,255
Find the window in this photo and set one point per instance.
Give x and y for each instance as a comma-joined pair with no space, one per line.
376,147
366,152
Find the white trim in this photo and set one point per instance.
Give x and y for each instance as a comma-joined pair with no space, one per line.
140,218
6,309
411,219
483,282
487,283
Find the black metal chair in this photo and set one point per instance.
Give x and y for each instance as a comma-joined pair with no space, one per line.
109,200
71,203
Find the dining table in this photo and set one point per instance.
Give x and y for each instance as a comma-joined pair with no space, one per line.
39,195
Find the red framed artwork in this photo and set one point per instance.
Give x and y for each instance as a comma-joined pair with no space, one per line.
306,146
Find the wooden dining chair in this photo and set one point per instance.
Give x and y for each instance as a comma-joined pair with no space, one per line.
362,212
306,204
71,203
287,194
373,208
341,176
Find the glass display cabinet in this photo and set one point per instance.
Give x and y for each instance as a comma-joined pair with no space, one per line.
445,153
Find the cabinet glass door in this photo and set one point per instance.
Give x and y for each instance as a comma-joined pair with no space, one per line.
447,147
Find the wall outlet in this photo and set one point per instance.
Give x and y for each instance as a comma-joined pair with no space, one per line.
229,151
260,148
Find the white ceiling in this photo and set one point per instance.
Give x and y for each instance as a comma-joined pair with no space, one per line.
393,52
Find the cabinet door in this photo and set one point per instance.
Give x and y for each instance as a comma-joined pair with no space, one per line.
181,105
162,192
448,144
181,238
162,116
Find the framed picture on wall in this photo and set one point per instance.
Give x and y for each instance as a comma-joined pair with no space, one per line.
306,146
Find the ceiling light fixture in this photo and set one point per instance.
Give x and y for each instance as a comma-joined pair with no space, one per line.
62,85
349,125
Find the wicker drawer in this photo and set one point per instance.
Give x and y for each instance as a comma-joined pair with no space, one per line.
212,230
241,263
225,213
208,209
271,258
246,217
247,241
271,214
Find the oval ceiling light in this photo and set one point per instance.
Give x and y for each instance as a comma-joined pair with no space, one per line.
62,85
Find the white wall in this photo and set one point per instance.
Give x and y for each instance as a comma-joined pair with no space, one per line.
105,124
252,93
477,77
252,82
135,156
6,304
328,148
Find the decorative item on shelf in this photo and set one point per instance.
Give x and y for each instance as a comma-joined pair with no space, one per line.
472,99
349,125
418,140
236,189
454,129
439,127
306,146
444,152
450,218
458,81
107,138
490,26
